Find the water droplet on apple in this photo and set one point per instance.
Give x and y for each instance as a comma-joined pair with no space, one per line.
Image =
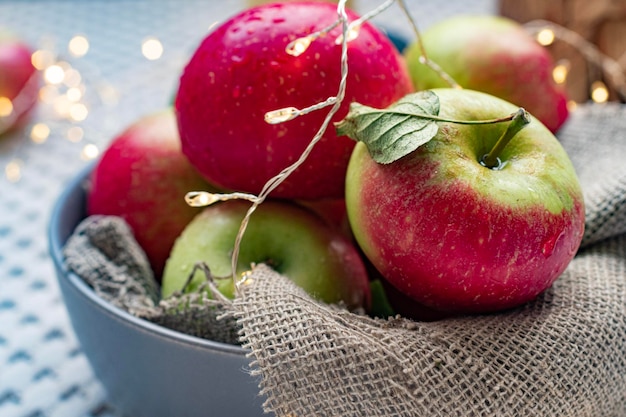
236,91
548,246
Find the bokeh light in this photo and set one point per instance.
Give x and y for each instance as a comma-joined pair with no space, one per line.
152,49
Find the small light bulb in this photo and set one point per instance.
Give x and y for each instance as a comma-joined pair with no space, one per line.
75,134
78,45
39,132
599,92
54,74
200,198
90,151
78,112
560,72
352,33
298,46
545,37
6,106
281,115
41,59
13,170
571,105
152,49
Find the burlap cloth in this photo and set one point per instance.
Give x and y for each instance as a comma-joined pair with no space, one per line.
564,354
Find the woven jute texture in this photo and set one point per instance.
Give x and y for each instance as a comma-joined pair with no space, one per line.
564,354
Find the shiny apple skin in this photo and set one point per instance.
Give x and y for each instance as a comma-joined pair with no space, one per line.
240,71
457,236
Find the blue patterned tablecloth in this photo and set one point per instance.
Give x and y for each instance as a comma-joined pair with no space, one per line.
43,372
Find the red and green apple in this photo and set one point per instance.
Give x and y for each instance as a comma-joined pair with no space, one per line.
495,55
290,239
143,177
458,235
241,71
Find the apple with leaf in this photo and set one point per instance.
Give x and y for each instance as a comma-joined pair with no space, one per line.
462,201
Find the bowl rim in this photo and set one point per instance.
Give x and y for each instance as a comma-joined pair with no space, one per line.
56,253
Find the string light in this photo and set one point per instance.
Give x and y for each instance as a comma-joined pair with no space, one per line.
6,107
560,71
545,37
75,134
152,49
78,46
89,152
203,198
599,92
39,132
13,170
612,70
54,74
299,46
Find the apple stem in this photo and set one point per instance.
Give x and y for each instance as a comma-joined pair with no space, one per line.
424,58
519,120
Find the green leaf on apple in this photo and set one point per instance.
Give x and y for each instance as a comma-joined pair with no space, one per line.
395,131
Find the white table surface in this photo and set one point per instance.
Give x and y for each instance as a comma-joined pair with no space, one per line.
43,372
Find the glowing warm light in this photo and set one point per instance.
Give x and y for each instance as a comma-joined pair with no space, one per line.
13,170
298,46
39,132
152,49
62,106
75,134
108,94
72,78
599,92
74,94
54,74
353,33
200,198
545,37
281,115
48,93
6,106
90,151
571,105
78,45
78,112
41,59
560,71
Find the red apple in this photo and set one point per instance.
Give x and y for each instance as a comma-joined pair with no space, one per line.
292,240
455,235
18,81
241,70
495,55
143,177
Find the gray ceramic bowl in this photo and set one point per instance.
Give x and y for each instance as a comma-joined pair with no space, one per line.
148,370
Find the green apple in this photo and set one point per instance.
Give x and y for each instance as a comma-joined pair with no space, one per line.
289,238
495,55
456,235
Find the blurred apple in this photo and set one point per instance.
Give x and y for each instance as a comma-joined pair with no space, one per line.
292,240
453,232
241,71
19,83
495,55
143,177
